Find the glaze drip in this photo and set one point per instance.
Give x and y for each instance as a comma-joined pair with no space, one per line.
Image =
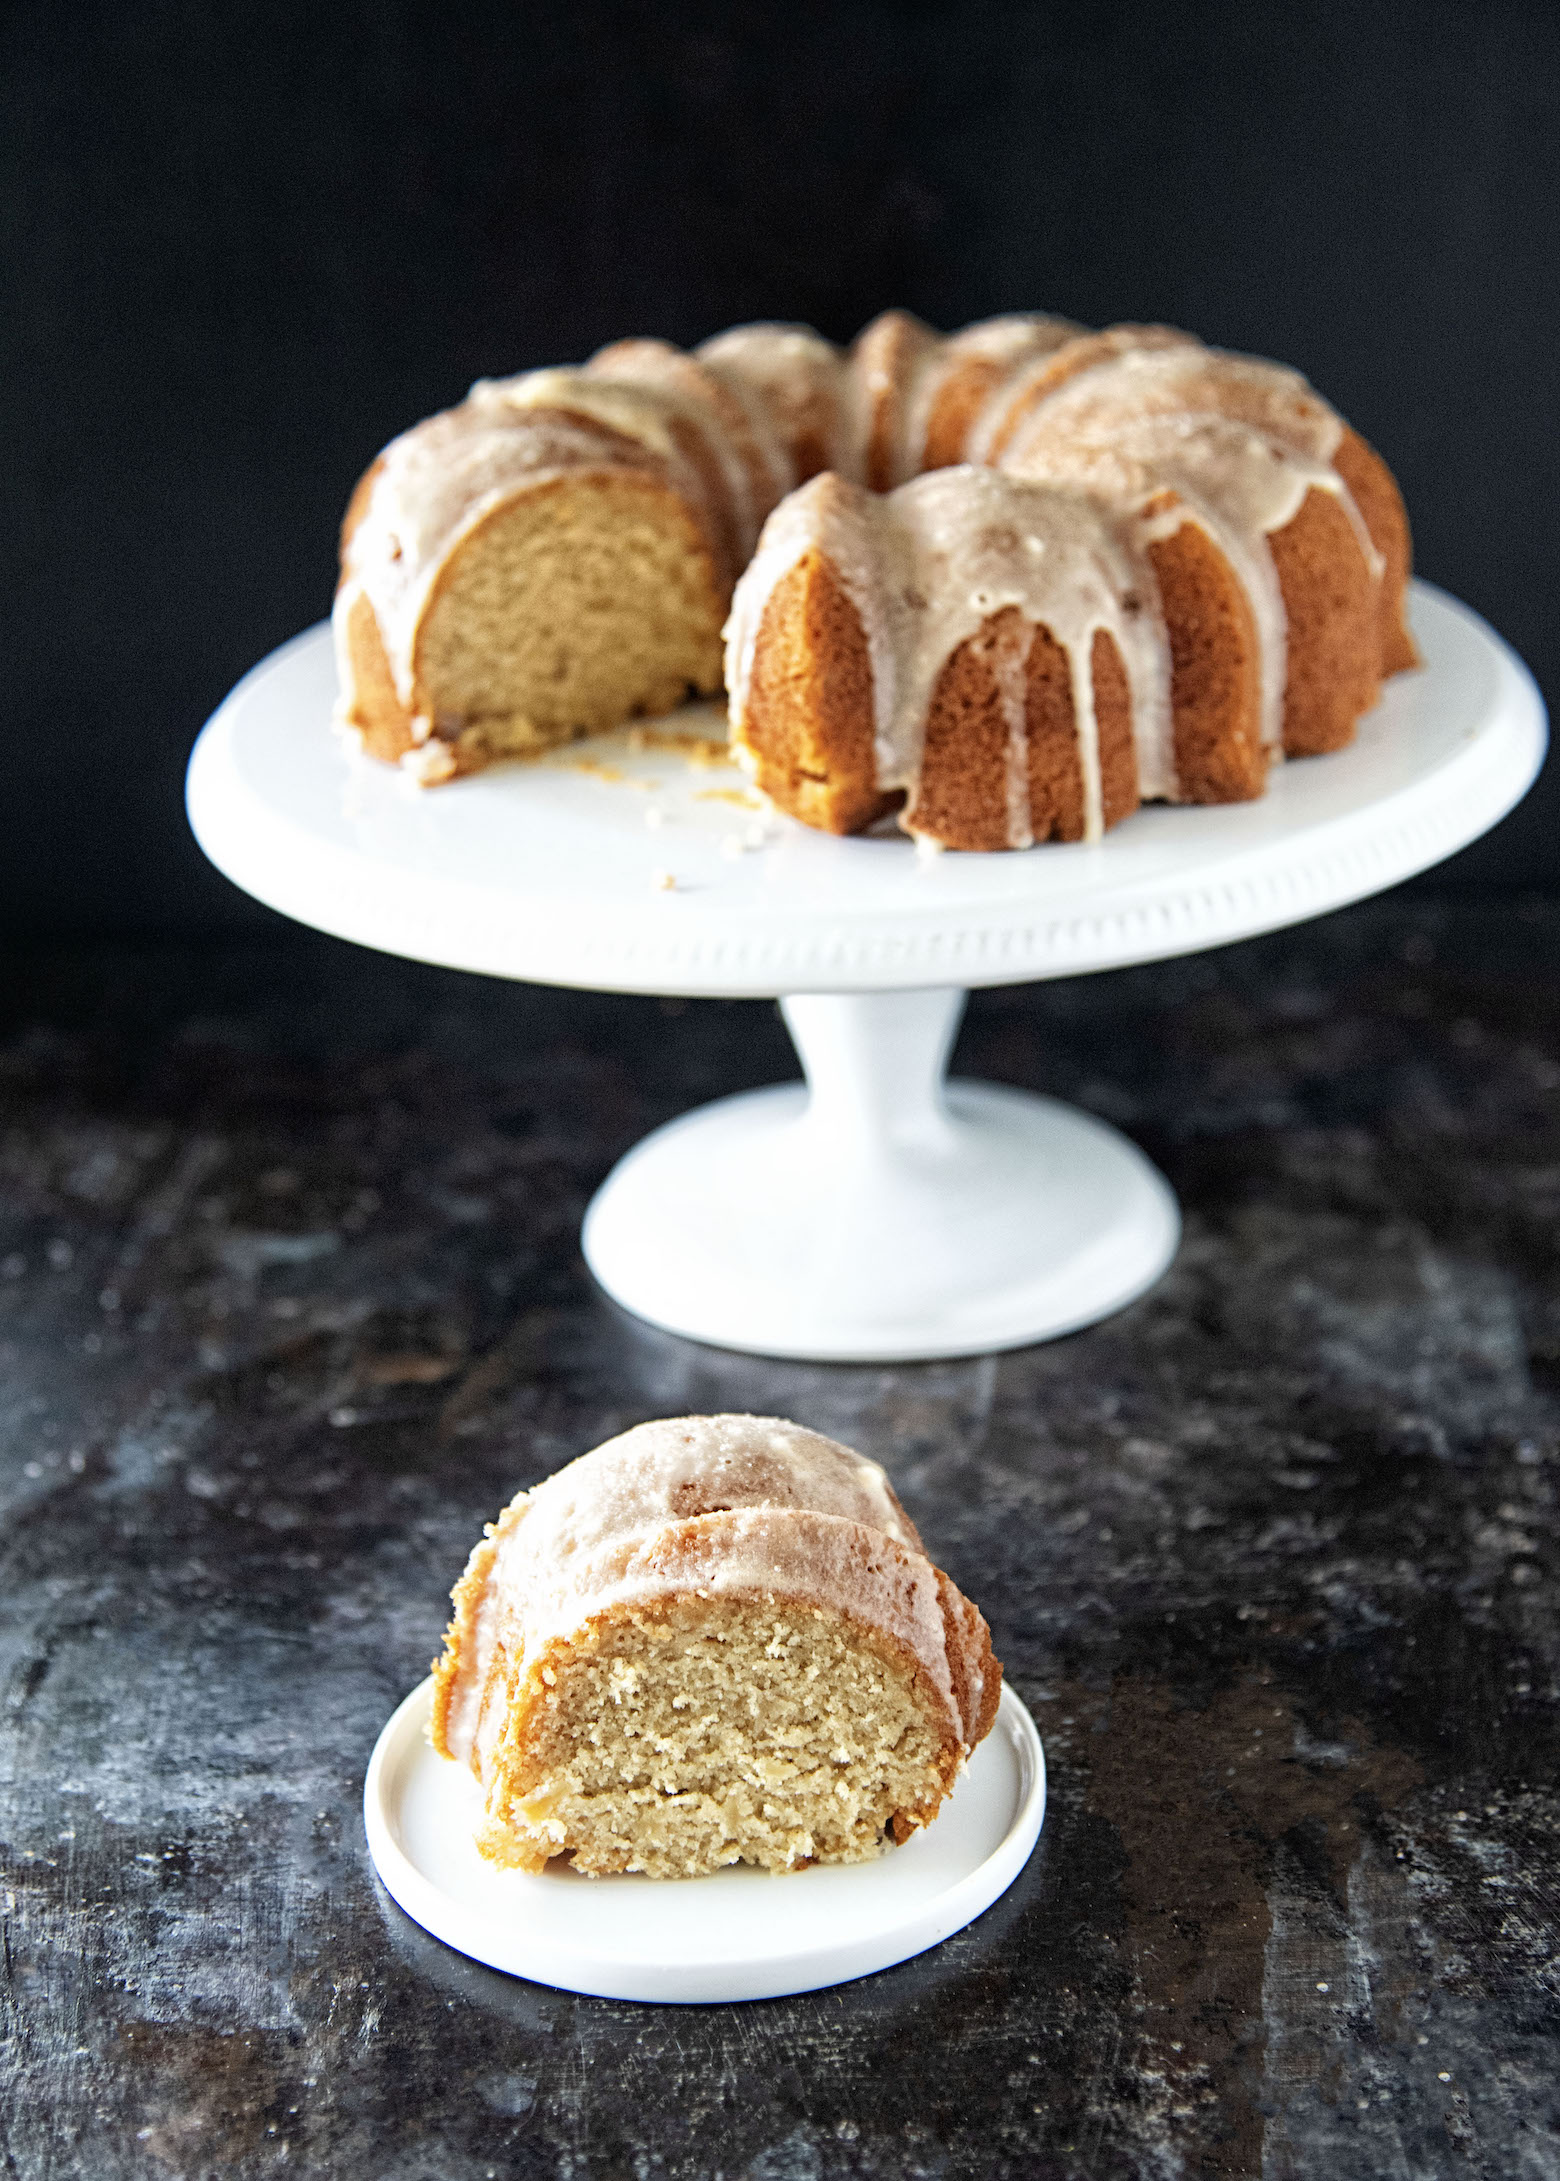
723,1505
1070,456
928,566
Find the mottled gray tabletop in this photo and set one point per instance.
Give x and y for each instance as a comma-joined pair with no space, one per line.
291,1302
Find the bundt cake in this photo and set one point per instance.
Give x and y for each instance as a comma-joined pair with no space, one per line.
716,1639
1006,584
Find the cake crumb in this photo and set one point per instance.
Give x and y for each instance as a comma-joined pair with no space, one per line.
431,764
743,799
701,751
663,882
348,729
598,769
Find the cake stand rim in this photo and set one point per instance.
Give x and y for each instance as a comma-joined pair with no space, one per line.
1277,881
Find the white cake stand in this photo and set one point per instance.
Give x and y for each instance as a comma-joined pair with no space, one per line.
882,1213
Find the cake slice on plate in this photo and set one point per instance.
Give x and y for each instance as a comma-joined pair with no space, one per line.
714,1640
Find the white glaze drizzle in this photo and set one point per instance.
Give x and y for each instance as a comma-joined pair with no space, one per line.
1179,375
763,431
723,1505
621,405
1149,409
661,373
927,566
1005,342
1238,482
848,525
1181,378
1008,657
797,377
1014,339
981,542
1012,397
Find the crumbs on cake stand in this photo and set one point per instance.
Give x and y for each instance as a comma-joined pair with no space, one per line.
702,751
598,769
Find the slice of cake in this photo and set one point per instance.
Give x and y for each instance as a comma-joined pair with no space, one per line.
714,1640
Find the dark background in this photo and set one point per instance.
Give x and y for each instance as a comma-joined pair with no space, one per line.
242,249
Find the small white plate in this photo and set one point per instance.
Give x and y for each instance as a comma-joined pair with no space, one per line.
742,1934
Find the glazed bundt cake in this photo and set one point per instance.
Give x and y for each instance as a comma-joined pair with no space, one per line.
1007,584
714,1640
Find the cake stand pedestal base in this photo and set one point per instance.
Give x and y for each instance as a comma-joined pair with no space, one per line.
882,1213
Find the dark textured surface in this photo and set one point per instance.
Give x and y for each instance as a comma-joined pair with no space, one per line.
290,1302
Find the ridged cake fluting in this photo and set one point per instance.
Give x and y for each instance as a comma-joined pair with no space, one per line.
1005,585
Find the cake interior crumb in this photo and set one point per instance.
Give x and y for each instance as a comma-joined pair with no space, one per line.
681,1739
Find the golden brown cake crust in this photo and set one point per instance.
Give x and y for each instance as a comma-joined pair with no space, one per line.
809,716
959,401
961,798
460,1636
965,785
1113,716
1332,624
1215,682
1055,772
375,709
1376,495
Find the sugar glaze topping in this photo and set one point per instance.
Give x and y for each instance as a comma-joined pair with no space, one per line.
1101,444
1136,431
726,1505
928,566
